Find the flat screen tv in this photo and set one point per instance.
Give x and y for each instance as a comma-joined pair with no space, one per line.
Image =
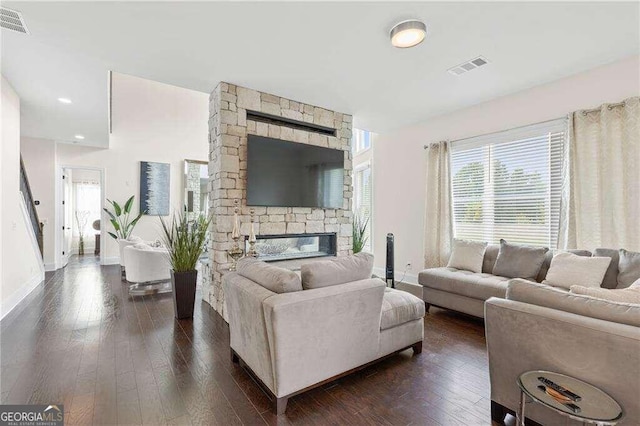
290,174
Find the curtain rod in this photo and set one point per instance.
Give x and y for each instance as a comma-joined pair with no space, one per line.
506,130
609,107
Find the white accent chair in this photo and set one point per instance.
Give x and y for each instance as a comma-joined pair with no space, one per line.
146,264
122,243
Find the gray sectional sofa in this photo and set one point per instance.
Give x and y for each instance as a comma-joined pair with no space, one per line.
466,292
538,327
294,333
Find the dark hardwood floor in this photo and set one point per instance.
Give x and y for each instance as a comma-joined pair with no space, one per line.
81,341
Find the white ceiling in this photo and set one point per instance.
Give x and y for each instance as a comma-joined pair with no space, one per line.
332,54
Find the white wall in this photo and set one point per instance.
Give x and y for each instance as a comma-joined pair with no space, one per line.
21,266
151,122
399,182
39,156
85,175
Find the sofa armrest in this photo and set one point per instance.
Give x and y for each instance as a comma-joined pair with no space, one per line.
247,327
522,337
320,333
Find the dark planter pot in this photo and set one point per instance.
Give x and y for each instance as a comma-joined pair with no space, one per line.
184,293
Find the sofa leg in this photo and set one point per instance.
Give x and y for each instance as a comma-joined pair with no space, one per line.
280,405
234,357
426,307
497,412
417,348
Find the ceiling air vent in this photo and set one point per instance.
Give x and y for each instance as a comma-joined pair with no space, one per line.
468,66
12,20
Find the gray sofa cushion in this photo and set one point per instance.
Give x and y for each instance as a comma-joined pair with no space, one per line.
490,255
399,307
549,256
339,270
629,268
611,276
547,296
519,261
278,280
471,284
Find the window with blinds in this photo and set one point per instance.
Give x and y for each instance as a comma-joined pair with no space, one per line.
362,198
508,185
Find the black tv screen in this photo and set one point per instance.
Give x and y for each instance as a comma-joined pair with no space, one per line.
290,174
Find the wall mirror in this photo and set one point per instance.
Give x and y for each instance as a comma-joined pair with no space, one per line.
196,188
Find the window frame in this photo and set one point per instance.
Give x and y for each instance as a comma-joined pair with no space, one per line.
551,196
358,145
359,168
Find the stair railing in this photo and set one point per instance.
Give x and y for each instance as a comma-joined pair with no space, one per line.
25,188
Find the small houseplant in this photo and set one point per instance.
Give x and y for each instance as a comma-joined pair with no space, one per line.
184,241
359,233
120,219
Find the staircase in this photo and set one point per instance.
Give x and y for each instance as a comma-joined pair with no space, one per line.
31,206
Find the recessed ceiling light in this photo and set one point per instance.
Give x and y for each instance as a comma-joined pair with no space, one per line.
408,33
64,100
79,137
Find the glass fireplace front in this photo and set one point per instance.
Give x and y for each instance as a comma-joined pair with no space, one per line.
294,246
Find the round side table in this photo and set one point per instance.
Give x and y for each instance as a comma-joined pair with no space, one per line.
589,405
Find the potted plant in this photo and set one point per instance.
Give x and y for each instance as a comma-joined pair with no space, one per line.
359,233
120,219
184,241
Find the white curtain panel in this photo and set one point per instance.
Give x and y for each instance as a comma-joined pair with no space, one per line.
87,201
438,231
601,192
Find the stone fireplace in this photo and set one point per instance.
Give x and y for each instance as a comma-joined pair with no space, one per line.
236,112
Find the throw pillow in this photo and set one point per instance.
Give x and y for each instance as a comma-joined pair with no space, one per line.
625,295
629,268
339,270
568,269
611,277
467,255
278,280
518,261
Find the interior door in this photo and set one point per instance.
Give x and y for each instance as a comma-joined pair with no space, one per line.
67,216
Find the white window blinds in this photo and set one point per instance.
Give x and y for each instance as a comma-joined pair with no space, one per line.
508,185
362,198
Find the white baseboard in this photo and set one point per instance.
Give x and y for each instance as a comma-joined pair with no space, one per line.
14,300
48,267
400,276
110,260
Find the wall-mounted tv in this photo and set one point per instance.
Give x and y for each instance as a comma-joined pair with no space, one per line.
290,174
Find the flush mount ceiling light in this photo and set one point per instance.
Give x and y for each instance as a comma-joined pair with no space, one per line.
79,137
408,33
64,100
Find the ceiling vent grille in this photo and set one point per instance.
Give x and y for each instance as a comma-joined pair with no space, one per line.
468,66
12,20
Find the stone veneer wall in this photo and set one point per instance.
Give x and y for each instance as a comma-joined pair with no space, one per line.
228,130
193,185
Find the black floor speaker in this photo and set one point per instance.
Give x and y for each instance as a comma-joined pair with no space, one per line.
388,270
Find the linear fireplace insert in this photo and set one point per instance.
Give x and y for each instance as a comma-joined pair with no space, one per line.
294,246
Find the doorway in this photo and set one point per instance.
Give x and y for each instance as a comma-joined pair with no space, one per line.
82,192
